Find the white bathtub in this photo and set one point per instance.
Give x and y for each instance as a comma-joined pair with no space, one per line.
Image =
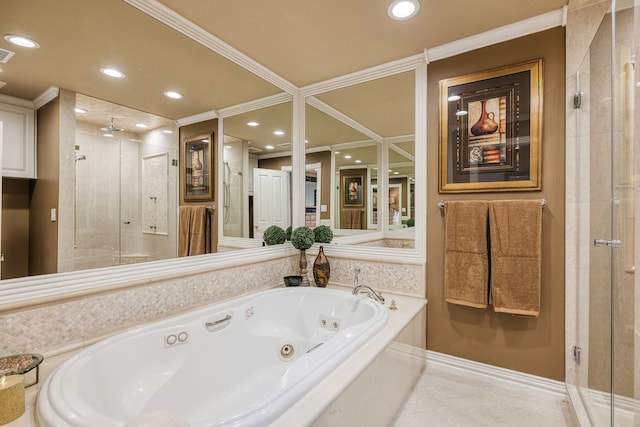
241,363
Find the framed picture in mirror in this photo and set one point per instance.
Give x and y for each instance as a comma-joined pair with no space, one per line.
197,168
352,189
490,130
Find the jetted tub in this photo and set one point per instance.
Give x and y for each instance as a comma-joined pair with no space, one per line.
242,363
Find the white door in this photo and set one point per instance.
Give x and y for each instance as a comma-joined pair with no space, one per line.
270,200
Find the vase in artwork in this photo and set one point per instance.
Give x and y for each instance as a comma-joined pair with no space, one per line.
321,269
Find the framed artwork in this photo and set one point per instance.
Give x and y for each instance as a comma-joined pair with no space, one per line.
352,190
490,130
197,168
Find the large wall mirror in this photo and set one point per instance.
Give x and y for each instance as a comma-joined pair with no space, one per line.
256,171
127,180
373,122
361,140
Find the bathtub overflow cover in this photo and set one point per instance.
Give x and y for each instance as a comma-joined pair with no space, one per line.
286,351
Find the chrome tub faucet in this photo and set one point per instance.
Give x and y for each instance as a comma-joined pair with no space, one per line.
370,292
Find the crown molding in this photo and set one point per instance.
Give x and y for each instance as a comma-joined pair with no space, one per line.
379,71
18,102
46,97
197,118
533,25
257,104
329,110
169,17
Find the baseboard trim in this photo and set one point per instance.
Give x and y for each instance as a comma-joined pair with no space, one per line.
494,373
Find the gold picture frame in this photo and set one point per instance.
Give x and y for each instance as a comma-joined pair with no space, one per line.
490,130
197,170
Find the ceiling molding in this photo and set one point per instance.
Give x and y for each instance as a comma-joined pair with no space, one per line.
379,71
197,118
46,97
258,104
533,25
179,23
327,109
402,152
18,102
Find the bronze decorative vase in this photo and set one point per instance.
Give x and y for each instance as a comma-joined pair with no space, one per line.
321,269
303,268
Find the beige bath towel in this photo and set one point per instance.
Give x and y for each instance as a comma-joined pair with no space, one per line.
195,230
516,256
351,218
466,262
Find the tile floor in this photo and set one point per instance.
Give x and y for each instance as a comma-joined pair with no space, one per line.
446,397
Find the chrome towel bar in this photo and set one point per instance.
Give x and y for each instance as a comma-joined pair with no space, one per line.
543,203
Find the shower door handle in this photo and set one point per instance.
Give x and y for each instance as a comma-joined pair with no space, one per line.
127,222
611,243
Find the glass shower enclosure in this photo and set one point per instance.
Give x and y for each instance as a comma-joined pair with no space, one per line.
126,198
606,354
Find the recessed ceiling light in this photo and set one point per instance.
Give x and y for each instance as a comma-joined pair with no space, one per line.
358,161
269,147
347,156
167,131
453,98
173,95
396,173
403,9
462,113
141,125
80,110
112,72
306,141
278,132
253,124
108,135
21,41
228,147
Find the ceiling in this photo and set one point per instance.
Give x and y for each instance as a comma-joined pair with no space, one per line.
299,42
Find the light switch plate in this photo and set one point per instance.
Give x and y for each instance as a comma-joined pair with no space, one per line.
54,215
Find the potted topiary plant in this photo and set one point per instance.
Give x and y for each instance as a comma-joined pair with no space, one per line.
302,238
274,235
321,267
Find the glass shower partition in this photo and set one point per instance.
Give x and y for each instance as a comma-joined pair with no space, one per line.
126,199
608,168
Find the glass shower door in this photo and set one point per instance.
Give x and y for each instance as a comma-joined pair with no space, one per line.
607,371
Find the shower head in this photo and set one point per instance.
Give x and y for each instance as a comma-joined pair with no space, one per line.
81,157
112,127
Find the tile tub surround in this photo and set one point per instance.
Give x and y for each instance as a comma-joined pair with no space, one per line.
57,326
370,387
307,408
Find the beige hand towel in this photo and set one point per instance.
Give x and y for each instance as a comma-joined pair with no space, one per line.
184,227
516,256
466,263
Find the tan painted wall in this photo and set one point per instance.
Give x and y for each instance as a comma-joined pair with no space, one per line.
534,346
203,128
15,227
43,234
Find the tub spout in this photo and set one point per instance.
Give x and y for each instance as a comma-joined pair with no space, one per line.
370,293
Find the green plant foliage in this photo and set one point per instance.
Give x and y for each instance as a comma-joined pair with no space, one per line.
411,222
302,238
323,234
274,235
288,232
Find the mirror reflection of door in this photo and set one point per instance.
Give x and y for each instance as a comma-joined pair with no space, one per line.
270,200
312,192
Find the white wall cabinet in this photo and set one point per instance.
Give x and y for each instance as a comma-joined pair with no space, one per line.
18,151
